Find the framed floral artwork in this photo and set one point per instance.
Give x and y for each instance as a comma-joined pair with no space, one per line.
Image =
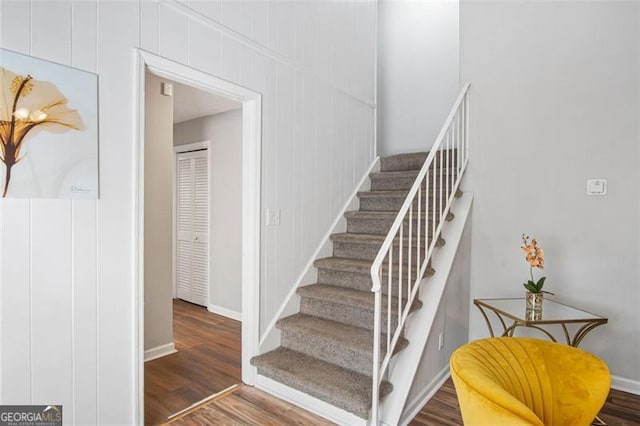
48,129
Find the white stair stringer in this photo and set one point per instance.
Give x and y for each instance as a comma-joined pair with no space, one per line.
418,328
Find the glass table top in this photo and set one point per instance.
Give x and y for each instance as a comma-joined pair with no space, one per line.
552,311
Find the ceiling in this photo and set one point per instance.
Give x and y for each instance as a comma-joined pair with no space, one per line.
190,103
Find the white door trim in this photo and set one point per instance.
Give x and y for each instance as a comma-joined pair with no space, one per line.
179,149
251,199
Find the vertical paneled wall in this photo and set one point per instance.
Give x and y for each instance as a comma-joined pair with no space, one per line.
67,286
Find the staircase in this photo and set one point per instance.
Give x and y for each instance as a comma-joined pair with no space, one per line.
327,347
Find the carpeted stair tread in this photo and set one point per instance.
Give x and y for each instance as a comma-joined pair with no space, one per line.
411,161
363,238
404,180
385,194
350,302
335,385
356,338
350,237
350,297
343,264
359,214
395,174
402,174
348,265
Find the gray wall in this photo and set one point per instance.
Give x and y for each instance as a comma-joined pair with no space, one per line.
555,101
224,131
418,72
158,216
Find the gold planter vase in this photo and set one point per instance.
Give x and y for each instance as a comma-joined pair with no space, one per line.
534,301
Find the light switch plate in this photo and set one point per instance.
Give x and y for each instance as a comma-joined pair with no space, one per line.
596,187
273,217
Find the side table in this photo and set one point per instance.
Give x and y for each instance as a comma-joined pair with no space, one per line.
514,310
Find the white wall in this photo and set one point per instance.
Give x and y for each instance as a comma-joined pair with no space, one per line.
555,101
224,131
68,277
418,71
158,216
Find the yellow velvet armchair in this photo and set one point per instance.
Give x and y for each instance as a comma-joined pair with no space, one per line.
521,381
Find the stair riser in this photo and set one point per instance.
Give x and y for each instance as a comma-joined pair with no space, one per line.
392,204
363,251
387,183
414,162
328,351
380,226
382,183
347,315
356,281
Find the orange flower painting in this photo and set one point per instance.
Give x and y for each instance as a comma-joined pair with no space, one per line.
29,108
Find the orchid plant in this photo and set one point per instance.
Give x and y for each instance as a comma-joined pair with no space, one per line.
28,105
535,258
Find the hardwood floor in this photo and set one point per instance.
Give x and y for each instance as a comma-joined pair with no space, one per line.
207,362
249,406
441,410
621,409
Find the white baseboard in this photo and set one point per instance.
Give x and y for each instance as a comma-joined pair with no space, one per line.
159,351
625,385
227,313
309,403
415,405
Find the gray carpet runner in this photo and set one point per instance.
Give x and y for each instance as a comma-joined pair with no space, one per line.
326,348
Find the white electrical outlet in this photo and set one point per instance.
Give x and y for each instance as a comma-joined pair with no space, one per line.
273,217
440,341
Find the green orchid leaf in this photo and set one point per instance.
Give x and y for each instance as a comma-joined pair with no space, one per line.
541,282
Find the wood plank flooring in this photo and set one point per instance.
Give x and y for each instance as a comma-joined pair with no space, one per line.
621,409
208,361
250,406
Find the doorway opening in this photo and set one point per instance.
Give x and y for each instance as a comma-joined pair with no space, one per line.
193,169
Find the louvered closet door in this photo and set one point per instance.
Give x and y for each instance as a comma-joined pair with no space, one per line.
192,219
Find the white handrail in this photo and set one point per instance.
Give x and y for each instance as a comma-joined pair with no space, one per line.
450,154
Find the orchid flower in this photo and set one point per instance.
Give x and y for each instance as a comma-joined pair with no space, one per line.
535,259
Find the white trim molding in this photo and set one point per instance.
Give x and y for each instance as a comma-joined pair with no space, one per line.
251,200
159,351
227,313
625,385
